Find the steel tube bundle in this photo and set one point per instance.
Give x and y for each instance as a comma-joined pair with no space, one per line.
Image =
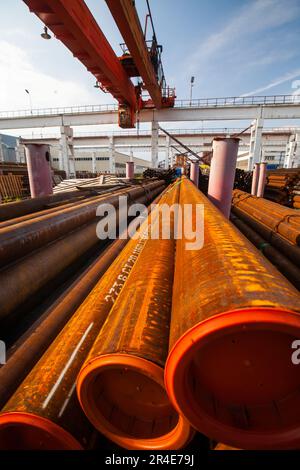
290,251
234,320
43,413
21,239
120,386
21,208
29,352
283,264
22,279
282,220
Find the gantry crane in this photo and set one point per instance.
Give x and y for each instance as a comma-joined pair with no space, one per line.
73,24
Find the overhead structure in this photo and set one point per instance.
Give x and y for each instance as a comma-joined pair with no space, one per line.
75,26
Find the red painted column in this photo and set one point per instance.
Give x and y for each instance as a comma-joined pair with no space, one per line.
222,172
262,180
194,173
39,169
129,170
255,176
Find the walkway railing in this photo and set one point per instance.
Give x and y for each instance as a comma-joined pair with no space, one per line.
195,103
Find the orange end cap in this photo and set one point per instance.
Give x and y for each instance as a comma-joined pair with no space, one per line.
124,398
26,431
233,378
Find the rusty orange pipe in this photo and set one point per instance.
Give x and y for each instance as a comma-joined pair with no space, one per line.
120,386
280,219
43,413
234,319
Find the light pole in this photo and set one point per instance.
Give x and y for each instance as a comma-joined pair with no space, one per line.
191,92
30,101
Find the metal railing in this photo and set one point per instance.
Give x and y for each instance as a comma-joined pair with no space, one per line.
195,103
145,133
238,101
84,109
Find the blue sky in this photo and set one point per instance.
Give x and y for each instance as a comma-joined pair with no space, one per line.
231,47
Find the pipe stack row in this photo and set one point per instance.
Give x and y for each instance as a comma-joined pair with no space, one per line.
282,184
175,336
35,249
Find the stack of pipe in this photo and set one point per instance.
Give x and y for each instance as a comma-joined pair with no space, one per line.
281,220
34,251
281,184
234,321
44,412
121,386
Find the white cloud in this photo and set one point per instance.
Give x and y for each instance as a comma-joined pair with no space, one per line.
276,82
17,73
253,18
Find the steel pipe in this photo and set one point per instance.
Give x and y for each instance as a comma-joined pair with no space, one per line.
18,240
43,413
290,251
234,320
21,280
12,210
39,170
222,173
194,177
283,264
280,219
129,170
262,179
255,177
120,386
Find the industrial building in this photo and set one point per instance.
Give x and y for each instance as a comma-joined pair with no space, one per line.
150,273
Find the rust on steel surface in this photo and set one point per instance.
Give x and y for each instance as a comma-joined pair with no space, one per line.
48,390
29,352
18,240
234,320
139,321
280,219
120,386
22,279
276,240
226,274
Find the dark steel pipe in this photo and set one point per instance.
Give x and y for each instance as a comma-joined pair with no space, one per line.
20,208
234,320
290,251
18,240
43,414
285,266
22,279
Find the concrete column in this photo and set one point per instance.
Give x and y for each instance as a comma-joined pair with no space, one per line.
129,170
296,161
66,154
262,180
255,177
112,157
255,143
292,154
194,173
39,169
154,144
94,168
222,173
167,155
1,151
